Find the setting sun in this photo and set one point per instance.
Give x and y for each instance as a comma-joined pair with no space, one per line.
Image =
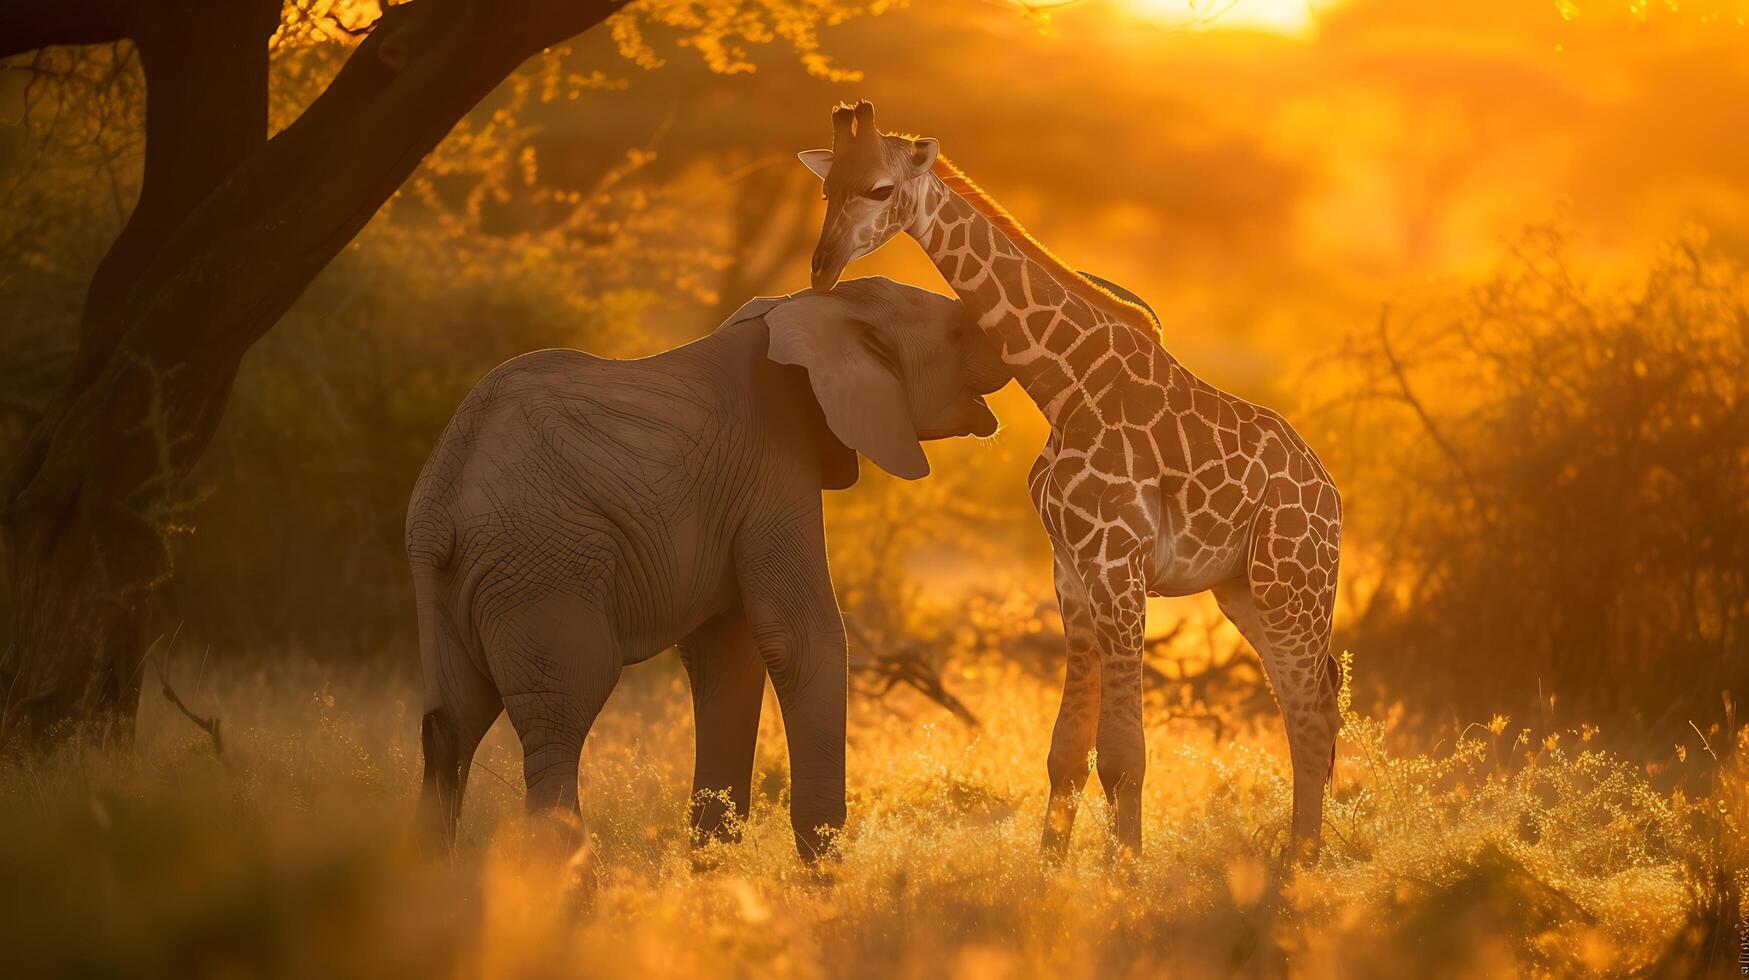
1294,18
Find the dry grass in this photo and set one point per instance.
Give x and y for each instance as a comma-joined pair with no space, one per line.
292,854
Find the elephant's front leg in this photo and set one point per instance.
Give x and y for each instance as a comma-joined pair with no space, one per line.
728,691
797,629
1118,600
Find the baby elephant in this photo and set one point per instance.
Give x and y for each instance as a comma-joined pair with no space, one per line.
581,514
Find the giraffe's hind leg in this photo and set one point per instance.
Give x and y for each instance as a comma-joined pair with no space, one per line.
1283,608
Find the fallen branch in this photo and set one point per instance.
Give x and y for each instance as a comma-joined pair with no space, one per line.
1209,718
903,665
208,725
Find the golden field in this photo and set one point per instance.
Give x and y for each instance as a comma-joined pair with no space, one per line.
1502,851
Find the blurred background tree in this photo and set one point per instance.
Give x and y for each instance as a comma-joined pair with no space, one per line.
227,228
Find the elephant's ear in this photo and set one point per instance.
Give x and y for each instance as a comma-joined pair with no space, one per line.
860,394
756,307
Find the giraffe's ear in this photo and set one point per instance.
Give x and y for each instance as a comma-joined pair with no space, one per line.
819,161
923,152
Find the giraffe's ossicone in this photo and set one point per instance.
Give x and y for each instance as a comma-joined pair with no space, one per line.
1152,481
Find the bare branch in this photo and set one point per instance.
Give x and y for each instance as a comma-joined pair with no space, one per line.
1413,402
904,665
208,725
28,26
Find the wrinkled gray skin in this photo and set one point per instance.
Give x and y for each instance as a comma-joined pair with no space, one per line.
582,514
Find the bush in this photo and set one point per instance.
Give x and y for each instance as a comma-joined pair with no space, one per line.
1549,481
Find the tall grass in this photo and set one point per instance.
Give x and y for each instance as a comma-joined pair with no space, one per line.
1503,851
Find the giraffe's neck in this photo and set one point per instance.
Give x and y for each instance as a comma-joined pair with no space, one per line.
1042,329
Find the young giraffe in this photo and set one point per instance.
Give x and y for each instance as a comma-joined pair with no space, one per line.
1152,482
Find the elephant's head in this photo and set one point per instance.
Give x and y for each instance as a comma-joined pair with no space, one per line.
890,365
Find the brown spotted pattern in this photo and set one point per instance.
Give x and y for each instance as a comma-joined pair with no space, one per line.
1152,482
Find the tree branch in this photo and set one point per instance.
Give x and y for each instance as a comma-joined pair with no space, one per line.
220,264
236,262
206,111
904,666
1414,403
210,725
27,26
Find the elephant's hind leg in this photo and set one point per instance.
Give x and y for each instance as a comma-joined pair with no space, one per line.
555,669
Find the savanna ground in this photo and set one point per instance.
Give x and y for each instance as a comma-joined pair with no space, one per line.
1499,850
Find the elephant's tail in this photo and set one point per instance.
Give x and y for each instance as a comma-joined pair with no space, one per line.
440,795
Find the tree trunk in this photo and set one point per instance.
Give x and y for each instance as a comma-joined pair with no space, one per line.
229,230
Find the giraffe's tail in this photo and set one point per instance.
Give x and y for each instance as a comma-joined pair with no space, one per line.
1333,680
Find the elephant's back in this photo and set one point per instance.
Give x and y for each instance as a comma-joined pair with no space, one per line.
565,422
567,474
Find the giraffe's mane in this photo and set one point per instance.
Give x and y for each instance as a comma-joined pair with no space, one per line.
1132,313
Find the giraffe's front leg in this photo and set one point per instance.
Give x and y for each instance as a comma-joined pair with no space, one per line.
1118,600
1078,717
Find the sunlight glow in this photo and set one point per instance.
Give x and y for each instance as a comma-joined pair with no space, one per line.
1293,18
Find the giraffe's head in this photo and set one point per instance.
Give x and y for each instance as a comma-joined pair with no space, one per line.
873,183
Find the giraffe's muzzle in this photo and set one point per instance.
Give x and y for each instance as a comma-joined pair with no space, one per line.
828,266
